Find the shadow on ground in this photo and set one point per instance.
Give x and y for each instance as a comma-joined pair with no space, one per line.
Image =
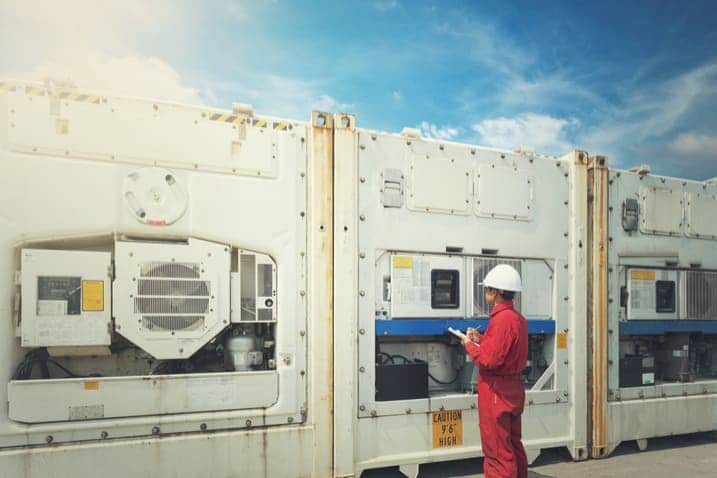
553,456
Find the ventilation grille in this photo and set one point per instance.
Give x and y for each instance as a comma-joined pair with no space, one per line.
264,315
170,269
174,295
166,323
162,287
701,295
170,305
481,267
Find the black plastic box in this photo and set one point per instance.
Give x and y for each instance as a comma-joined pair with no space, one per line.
402,381
637,371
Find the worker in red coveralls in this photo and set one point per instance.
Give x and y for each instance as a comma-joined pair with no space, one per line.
501,355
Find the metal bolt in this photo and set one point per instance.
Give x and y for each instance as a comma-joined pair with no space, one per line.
362,217
530,402
248,423
287,360
104,435
362,293
473,405
302,293
290,420
408,411
302,333
49,438
373,413
155,430
362,331
203,427
557,399
362,255
302,373
362,408
363,180
362,369
565,362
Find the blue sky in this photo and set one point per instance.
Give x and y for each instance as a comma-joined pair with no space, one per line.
636,81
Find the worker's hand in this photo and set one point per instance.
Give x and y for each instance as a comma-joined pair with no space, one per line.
465,339
473,335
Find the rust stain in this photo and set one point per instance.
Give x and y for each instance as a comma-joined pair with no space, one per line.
322,233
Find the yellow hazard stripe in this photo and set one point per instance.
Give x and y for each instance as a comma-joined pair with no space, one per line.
35,90
225,118
79,97
260,123
281,126
7,86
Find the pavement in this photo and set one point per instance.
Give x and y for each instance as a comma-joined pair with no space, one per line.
680,456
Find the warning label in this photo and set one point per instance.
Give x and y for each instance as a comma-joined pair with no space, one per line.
93,295
447,428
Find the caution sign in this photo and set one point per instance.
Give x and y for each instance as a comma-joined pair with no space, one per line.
447,428
93,295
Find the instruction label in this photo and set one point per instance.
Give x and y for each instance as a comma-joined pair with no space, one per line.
447,428
93,295
411,281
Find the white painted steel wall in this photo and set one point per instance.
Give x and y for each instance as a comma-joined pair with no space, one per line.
553,229
639,413
264,185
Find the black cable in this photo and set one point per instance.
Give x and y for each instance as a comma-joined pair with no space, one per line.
458,374
440,382
405,359
385,355
40,356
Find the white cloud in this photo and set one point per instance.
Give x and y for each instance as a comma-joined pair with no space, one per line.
692,144
545,134
96,45
387,5
430,130
130,75
397,96
649,113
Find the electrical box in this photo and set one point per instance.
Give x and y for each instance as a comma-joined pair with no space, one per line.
65,298
652,294
424,286
254,289
171,298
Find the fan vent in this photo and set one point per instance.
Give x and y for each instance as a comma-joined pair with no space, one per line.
170,269
481,267
174,294
165,323
701,295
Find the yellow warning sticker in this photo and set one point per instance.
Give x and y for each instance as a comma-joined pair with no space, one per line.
92,384
447,428
562,340
402,262
642,275
93,295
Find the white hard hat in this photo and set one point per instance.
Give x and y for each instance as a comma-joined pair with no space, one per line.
503,277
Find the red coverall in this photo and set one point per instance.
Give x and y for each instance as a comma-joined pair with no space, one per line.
501,356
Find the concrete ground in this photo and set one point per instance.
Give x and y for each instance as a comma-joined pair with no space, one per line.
673,457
